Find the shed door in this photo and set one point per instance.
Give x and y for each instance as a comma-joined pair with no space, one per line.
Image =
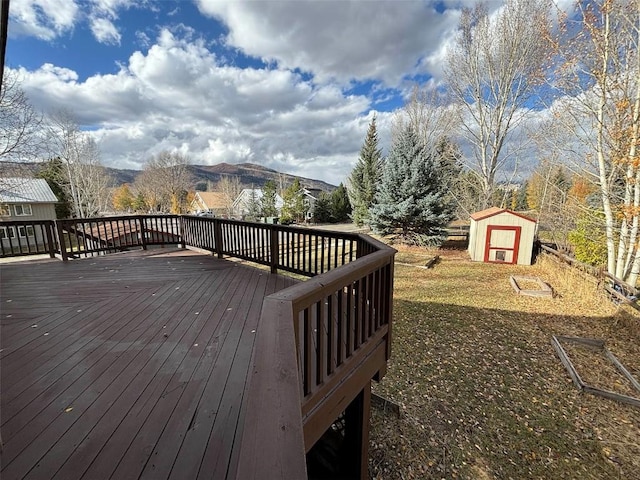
502,244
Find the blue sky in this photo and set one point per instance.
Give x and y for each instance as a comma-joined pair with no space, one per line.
291,85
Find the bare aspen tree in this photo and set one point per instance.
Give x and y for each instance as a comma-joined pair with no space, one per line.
165,182
430,113
492,71
87,181
599,80
20,128
230,187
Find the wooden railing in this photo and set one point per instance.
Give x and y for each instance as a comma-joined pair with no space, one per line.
318,344
34,237
336,328
298,250
90,236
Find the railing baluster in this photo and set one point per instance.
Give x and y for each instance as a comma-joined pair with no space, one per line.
321,342
341,327
332,320
307,350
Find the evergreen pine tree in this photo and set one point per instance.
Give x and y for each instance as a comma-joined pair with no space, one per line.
365,176
268,200
54,174
340,205
413,196
293,209
322,209
139,204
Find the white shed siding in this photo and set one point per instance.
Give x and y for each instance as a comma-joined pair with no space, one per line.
478,231
473,236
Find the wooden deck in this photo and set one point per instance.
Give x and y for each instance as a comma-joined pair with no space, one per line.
126,366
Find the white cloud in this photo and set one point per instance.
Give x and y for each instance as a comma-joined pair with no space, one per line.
341,41
105,31
178,96
44,19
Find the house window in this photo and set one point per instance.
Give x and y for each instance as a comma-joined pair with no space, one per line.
25,231
5,210
7,232
22,210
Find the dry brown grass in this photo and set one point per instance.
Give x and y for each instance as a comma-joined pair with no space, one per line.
482,391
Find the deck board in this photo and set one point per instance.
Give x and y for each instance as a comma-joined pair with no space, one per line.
137,367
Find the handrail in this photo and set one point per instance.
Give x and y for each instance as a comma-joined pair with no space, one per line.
338,324
298,250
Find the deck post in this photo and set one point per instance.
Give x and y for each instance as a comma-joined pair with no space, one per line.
183,242
217,237
355,455
51,239
60,234
275,247
143,232
389,303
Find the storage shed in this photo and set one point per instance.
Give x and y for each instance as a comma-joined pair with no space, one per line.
498,235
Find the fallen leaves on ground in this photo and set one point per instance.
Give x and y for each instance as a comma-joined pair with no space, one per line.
482,391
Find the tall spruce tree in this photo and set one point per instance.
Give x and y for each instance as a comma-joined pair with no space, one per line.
268,200
322,208
413,196
365,176
53,172
340,204
293,208
253,205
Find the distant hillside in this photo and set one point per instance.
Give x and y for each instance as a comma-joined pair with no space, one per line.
121,176
249,174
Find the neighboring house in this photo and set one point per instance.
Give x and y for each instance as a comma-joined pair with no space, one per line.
27,200
242,204
310,197
209,203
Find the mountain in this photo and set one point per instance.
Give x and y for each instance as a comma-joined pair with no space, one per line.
250,175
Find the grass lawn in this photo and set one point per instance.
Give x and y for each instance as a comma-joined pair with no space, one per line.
482,391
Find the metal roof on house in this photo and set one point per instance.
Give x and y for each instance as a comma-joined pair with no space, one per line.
26,190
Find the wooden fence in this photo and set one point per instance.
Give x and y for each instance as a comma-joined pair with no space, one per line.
318,344
620,290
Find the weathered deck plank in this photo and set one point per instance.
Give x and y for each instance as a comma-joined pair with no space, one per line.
136,369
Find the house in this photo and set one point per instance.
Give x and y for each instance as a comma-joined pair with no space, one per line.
242,205
215,203
498,235
25,200
311,195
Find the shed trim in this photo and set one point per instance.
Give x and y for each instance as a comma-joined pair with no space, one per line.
514,250
490,212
